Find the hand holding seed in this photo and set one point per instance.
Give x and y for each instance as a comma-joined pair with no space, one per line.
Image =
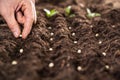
17,12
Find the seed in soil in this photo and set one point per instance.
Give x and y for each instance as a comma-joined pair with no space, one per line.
49,27
51,39
104,54
79,51
50,49
107,66
20,35
97,35
14,62
69,28
113,26
75,42
100,42
21,50
79,68
51,65
73,34
51,33
91,26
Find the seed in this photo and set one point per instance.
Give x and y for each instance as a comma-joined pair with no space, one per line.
51,65
20,35
73,34
97,35
14,62
107,66
51,39
21,50
69,27
104,54
100,42
91,26
75,42
50,49
79,51
49,27
79,68
82,5
51,34
113,26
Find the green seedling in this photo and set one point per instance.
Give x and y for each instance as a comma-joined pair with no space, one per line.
50,13
68,11
91,15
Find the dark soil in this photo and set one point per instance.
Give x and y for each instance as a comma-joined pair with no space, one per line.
94,38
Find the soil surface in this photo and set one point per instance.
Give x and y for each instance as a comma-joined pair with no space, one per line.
65,48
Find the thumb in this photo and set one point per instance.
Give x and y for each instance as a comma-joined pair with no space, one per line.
12,23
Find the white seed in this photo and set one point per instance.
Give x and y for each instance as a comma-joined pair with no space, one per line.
14,62
49,27
51,34
91,26
75,42
100,42
20,35
51,39
79,51
73,34
113,26
21,50
104,54
51,65
79,68
107,66
50,49
97,35
69,27
82,5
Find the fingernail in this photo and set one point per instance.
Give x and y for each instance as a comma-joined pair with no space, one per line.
15,34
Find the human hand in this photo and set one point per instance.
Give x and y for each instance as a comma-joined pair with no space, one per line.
17,12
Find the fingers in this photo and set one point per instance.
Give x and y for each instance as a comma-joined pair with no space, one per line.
29,17
12,23
20,17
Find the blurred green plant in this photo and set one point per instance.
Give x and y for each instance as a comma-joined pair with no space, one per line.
68,11
50,13
91,15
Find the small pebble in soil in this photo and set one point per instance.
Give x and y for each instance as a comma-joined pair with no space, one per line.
50,49
51,65
104,54
73,34
100,42
20,35
51,33
51,39
79,68
21,50
70,28
97,35
107,66
49,27
79,51
14,62
75,42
